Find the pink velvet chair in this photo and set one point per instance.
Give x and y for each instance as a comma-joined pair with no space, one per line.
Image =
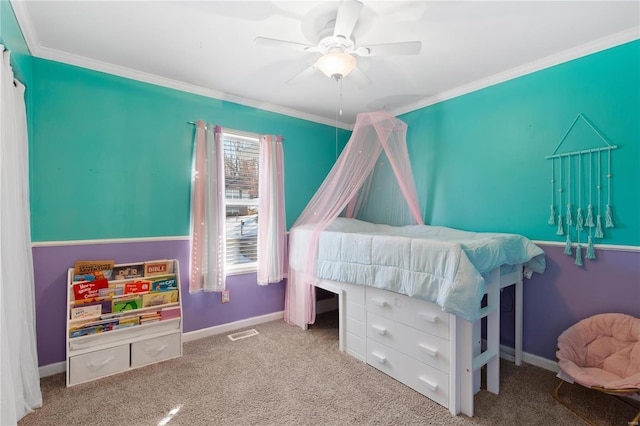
602,352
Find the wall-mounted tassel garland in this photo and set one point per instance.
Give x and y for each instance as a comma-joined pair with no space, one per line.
608,215
579,255
591,254
569,214
560,230
552,216
592,224
567,246
599,233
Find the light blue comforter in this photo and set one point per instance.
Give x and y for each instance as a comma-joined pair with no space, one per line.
434,263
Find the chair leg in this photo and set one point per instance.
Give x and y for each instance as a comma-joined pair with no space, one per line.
556,396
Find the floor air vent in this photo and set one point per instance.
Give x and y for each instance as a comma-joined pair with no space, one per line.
242,334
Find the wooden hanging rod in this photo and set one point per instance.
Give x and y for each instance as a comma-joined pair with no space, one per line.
585,151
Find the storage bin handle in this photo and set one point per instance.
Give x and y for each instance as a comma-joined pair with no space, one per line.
155,351
92,364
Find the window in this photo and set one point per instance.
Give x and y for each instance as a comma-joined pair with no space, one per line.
241,173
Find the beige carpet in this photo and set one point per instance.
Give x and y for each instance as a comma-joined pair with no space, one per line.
286,376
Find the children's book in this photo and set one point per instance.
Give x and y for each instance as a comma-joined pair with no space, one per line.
158,267
126,304
160,298
164,284
88,289
84,270
129,270
104,302
86,312
111,291
170,312
140,286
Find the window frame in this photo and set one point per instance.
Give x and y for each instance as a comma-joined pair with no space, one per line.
229,134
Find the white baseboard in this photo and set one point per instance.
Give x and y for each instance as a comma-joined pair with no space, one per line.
231,326
508,353
51,369
61,367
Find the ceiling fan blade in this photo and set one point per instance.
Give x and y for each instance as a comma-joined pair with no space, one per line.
390,49
272,42
303,75
347,17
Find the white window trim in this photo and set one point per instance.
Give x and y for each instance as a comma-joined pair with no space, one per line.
242,268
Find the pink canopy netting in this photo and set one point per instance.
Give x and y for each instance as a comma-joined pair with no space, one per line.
371,181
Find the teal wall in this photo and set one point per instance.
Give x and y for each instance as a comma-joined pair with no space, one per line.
111,156
479,159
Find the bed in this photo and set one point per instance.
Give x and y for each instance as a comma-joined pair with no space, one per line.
410,300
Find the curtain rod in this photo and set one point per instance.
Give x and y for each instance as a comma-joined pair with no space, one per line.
240,132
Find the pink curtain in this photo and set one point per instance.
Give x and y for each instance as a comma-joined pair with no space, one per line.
371,180
271,223
208,235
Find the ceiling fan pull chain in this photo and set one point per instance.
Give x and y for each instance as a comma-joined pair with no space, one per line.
340,81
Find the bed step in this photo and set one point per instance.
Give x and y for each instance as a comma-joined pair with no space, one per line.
483,358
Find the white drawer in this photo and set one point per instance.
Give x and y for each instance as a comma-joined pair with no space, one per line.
96,364
355,327
156,349
355,293
356,346
356,311
407,310
424,347
422,378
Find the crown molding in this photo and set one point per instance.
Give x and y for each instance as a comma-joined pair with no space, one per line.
92,64
38,51
24,22
34,46
574,53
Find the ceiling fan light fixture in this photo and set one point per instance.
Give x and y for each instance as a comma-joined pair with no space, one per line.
336,64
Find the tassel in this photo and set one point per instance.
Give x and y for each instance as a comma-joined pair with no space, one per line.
608,220
591,254
579,255
589,220
567,247
569,216
552,217
560,230
598,233
579,220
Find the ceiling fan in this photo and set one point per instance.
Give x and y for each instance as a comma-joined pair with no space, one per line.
338,46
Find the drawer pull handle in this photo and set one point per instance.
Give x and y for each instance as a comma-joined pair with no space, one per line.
381,358
433,387
155,351
429,350
428,317
92,364
380,302
380,330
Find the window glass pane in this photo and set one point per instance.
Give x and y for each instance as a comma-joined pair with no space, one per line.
241,162
242,234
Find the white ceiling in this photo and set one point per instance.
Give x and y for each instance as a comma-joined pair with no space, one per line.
208,47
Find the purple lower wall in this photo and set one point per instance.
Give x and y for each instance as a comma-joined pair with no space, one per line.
567,293
201,310
553,301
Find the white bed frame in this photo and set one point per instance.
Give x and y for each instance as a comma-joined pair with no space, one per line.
455,360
